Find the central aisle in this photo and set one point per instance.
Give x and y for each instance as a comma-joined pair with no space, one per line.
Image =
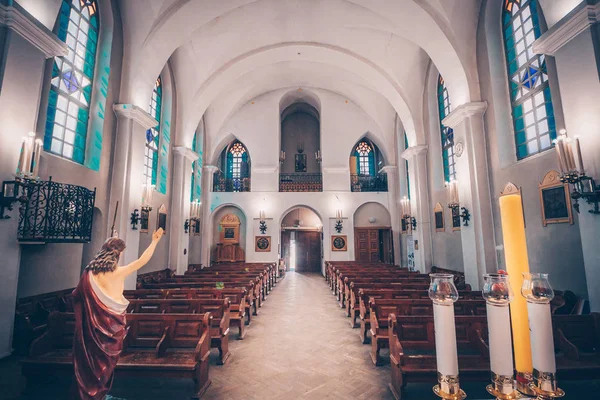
300,346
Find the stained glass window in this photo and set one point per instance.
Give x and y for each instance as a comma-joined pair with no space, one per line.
531,101
153,135
237,151
365,156
72,80
447,133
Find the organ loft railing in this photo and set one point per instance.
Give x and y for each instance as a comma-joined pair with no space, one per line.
53,212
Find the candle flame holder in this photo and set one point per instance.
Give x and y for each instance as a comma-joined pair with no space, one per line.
545,387
449,388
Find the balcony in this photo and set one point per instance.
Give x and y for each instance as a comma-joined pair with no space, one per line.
300,182
221,183
369,183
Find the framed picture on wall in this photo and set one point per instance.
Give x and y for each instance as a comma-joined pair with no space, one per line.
144,220
555,200
162,218
438,213
456,219
339,243
300,163
262,244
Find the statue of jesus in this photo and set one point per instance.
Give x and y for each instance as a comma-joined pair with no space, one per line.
99,307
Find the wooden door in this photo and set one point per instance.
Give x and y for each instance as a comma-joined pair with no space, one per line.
366,245
308,251
386,244
285,247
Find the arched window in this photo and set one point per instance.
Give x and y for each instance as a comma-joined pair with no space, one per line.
72,80
237,159
365,158
531,101
153,135
447,133
196,184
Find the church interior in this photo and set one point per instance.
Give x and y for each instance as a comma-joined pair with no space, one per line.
354,199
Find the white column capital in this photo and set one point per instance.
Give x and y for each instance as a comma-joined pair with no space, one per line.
211,168
135,113
569,27
186,152
463,112
413,151
15,17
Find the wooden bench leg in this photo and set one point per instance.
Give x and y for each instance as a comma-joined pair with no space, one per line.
353,315
242,330
397,384
201,380
223,347
364,329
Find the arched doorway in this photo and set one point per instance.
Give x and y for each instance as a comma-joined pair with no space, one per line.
373,241
302,240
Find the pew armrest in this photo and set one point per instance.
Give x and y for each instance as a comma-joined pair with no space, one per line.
569,349
482,346
202,351
42,345
163,343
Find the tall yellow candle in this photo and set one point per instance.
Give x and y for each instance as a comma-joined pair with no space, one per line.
517,262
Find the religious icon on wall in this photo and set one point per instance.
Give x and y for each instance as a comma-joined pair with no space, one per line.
555,200
262,244
300,162
438,212
229,233
162,219
404,226
144,220
339,243
456,219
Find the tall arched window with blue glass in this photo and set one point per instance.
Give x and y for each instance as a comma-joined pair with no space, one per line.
234,169
153,135
447,133
530,93
70,95
366,163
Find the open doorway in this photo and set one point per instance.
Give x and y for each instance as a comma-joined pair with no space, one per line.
373,239
301,240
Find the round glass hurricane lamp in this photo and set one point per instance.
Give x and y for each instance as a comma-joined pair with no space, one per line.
442,290
536,288
496,289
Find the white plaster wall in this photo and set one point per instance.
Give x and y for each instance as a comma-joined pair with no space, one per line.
369,211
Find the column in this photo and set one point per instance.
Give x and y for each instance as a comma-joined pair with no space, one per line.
394,205
127,177
180,208
574,41
207,223
25,45
417,170
478,245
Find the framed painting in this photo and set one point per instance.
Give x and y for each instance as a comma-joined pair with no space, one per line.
300,163
438,213
456,219
339,243
555,200
262,244
144,220
162,218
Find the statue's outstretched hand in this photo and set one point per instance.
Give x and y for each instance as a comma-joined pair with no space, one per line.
157,235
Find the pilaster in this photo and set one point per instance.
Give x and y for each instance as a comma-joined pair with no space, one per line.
477,238
207,223
393,196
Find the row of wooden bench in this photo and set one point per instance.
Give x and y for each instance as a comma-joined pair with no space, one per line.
169,330
401,317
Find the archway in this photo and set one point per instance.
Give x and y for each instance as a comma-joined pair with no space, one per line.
228,235
373,238
302,240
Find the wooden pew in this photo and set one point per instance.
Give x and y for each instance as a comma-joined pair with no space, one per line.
353,284
384,292
218,309
156,345
382,308
239,309
412,349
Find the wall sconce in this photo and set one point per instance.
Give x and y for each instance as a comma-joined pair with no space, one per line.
318,156
572,171
407,218
262,223
193,223
143,218
134,219
186,226
281,156
12,191
454,204
300,147
339,225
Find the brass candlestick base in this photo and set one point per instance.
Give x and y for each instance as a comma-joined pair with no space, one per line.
503,396
524,379
544,386
460,395
544,395
503,387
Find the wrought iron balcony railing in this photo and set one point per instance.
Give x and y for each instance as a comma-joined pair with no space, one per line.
369,183
300,182
54,212
222,183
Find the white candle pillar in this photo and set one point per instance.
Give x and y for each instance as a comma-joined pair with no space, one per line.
22,156
542,340
446,353
501,358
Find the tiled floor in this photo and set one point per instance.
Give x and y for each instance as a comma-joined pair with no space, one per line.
300,346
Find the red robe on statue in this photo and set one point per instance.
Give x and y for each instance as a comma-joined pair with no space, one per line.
97,342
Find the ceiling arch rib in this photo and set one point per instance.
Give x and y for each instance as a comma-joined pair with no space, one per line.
406,19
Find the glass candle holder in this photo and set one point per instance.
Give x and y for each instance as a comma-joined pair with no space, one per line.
442,289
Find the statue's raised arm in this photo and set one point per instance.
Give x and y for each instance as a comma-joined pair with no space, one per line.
99,307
